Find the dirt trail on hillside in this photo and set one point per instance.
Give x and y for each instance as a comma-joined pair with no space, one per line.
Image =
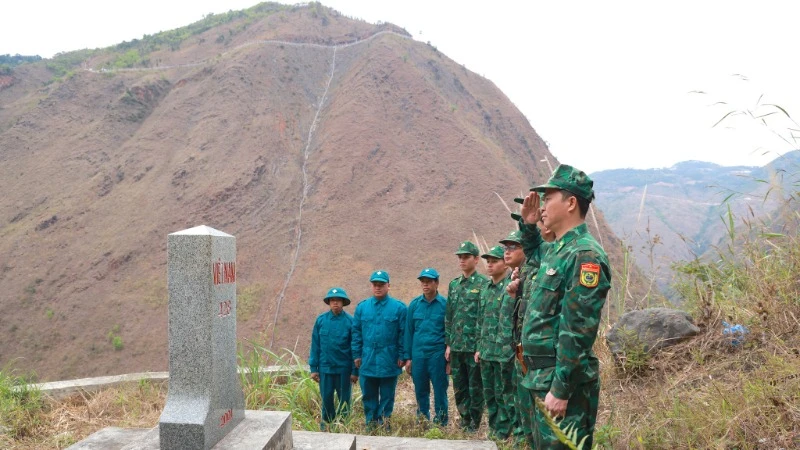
303,198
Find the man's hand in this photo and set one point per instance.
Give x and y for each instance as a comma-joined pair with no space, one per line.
515,274
315,376
530,211
555,406
400,363
357,362
477,357
354,379
512,287
408,367
447,353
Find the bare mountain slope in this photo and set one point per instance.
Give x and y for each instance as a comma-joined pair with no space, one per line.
329,147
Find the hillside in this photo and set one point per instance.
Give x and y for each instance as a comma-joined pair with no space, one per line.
328,146
677,213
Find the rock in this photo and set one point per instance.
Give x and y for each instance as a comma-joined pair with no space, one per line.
653,328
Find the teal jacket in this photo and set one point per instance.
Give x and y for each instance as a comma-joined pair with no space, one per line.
378,336
425,328
331,344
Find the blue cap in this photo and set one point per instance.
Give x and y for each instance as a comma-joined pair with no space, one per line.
380,276
430,272
337,292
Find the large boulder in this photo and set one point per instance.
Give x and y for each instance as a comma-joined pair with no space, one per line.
652,329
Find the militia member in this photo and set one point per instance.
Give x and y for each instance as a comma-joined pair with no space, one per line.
331,359
378,337
536,239
425,347
495,355
461,336
563,315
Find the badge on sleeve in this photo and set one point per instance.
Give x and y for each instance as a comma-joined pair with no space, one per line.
590,274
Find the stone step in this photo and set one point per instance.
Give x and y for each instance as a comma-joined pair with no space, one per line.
403,443
310,440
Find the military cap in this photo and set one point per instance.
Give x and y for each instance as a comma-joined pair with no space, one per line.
570,179
514,236
467,248
381,276
430,272
337,292
494,252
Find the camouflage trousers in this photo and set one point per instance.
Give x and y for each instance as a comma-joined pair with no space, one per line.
524,406
581,411
499,394
467,388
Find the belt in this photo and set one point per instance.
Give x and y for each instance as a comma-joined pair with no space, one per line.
539,362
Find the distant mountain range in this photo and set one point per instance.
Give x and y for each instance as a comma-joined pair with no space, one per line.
672,214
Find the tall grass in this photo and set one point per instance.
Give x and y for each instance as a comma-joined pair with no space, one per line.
21,405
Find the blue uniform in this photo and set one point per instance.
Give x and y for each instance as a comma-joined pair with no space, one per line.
331,357
425,348
378,335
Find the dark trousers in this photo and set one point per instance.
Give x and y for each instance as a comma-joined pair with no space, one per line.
377,394
338,383
427,371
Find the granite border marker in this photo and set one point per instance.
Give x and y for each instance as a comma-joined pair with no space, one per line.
205,399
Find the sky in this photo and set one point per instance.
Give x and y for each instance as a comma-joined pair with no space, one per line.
611,84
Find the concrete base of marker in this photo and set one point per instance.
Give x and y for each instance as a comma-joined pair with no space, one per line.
265,430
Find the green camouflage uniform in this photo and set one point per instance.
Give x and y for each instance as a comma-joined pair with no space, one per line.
496,353
535,248
561,321
461,335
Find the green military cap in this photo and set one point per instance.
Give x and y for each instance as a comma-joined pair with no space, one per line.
494,252
337,292
516,217
519,200
570,179
514,236
467,248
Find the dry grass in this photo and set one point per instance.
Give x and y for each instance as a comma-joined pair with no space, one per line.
65,422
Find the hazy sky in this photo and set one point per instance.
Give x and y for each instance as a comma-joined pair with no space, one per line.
606,84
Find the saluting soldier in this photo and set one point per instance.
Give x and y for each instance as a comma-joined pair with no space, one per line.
425,348
461,336
495,355
378,337
563,315
331,359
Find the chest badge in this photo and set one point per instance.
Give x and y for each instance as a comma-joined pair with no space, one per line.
551,271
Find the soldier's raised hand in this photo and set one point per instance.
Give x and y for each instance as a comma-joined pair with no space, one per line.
530,211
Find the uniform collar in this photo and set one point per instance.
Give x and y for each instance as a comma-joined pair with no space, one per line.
571,235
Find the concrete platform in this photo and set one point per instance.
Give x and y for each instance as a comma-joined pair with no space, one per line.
309,440
401,443
264,430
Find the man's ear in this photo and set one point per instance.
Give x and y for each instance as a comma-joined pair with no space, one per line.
573,204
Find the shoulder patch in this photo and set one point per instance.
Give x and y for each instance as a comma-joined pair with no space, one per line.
590,274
